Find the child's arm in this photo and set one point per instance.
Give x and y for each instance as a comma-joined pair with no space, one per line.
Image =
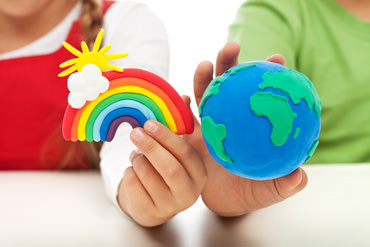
225,193
166,177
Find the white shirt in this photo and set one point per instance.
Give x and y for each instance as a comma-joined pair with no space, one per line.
130,28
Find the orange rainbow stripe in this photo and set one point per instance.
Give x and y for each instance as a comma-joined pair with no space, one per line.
134,96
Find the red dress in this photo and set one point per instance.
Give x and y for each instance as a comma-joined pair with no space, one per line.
33,100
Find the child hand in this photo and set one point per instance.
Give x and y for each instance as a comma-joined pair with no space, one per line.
166,177
225,193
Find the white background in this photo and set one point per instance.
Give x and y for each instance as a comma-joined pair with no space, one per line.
197,30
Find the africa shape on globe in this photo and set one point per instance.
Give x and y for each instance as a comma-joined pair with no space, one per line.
260,120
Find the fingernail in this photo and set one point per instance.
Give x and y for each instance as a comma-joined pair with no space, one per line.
137,134
151,126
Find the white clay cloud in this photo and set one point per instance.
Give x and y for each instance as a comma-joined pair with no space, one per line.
86,85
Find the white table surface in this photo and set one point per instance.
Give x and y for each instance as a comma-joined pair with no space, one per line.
71,209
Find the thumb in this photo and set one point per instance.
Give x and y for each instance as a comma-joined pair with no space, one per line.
291,184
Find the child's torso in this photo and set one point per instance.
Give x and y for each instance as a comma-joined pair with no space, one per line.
34,99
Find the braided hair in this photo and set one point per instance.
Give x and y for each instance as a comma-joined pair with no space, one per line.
91,23
77,154
91,20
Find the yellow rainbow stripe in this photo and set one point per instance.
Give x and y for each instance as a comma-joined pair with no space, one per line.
125,89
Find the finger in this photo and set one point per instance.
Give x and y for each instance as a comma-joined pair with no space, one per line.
227,57
132,196
277,58
172,172
187,101
291,184
263,193
122,198
202,77
150,179
178,147
196,138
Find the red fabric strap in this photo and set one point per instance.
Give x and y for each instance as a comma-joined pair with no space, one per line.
34,99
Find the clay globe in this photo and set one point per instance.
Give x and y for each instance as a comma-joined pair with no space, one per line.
260,120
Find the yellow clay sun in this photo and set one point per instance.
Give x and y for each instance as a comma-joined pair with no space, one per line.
96,57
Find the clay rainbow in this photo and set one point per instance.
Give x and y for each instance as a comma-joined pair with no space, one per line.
134,96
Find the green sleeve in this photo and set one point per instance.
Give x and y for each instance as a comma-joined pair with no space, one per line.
266,27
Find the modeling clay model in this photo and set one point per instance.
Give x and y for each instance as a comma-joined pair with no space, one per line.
261,120
100,100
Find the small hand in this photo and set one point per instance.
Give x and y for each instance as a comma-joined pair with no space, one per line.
227,57
166,177
225,193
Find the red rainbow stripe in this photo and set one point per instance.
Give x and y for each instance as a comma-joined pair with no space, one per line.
179,111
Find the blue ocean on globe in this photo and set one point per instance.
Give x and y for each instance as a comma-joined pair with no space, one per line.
261,120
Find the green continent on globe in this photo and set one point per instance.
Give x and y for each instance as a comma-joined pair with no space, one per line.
215,135
277,110
214,86
212,89
296,133
295,84
236,69
312,150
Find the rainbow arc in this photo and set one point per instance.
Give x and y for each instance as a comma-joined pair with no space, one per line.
134,96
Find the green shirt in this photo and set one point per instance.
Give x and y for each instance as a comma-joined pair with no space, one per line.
332,47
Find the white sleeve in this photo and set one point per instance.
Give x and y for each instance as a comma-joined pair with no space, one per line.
134,29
